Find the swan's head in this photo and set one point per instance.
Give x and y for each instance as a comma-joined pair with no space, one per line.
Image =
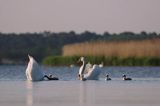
82,59
79,76
82,78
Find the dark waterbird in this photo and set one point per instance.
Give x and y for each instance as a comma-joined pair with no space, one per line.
126,78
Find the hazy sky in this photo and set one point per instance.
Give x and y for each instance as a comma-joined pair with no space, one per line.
98,16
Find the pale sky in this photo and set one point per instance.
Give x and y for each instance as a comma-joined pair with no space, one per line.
97,16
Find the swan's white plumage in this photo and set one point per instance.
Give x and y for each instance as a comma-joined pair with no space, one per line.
101,65
33,71
88,71
88,67
93,73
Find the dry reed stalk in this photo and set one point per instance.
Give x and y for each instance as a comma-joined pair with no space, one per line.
143,48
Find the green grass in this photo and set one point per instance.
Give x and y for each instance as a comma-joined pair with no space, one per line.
108,61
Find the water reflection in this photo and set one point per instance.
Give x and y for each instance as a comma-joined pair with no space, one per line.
87,94
29,95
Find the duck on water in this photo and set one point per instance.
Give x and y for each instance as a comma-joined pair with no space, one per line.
35,73
126,78
107,77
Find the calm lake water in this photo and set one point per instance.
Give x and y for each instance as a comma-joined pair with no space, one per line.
143,90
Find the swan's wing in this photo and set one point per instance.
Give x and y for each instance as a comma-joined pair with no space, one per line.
88,68
88,65
93,73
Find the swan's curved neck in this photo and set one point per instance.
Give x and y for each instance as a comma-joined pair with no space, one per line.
84,66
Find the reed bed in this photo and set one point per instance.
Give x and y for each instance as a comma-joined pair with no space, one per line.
122,49
107,61
117,53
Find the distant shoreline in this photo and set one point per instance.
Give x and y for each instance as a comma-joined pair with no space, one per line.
107,61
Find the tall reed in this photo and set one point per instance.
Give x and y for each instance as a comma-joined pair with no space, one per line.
141,48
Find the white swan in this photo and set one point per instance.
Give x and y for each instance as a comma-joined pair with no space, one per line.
33,71
88,73
101,65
